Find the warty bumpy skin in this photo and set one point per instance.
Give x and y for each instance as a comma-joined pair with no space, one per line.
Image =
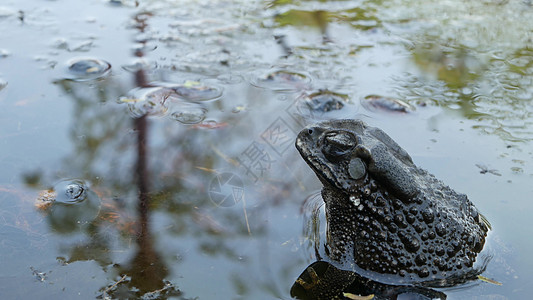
387,214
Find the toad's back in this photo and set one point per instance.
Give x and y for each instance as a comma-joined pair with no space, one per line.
385,213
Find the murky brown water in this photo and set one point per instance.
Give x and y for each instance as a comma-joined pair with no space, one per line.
180,157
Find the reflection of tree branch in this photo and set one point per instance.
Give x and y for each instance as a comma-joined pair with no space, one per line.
141,172
147,271
105,149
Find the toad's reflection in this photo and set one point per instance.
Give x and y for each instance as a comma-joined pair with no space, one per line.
322,280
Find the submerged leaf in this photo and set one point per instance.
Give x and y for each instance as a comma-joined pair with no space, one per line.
356,297
191,84
483,278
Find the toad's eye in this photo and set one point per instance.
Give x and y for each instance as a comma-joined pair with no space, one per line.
338,144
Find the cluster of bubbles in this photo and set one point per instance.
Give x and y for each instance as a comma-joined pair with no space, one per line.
325,100
184,102
312,105
181,102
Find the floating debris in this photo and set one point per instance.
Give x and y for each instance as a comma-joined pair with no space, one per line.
325,100
238,109
375,102
484,170
357,297
83,68
283,81
40,276
45,199
3,84
488,280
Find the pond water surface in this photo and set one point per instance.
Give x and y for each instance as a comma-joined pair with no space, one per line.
147,147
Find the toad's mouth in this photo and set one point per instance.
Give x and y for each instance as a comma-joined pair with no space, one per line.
322,171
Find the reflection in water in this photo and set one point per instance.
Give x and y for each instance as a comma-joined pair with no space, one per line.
321,281
146,272
318,18
73,207
70,206
483,79
76,208
109,146
456,67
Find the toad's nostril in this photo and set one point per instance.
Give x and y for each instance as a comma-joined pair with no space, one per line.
310,130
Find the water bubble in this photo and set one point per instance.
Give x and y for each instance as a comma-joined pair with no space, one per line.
282,81
139,64
74,191
179,100
196,91
70,191
325,101
466,91
83,69
148,101
375,102
140,48
74,207
188,113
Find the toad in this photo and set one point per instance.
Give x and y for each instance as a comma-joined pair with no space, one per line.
387,217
